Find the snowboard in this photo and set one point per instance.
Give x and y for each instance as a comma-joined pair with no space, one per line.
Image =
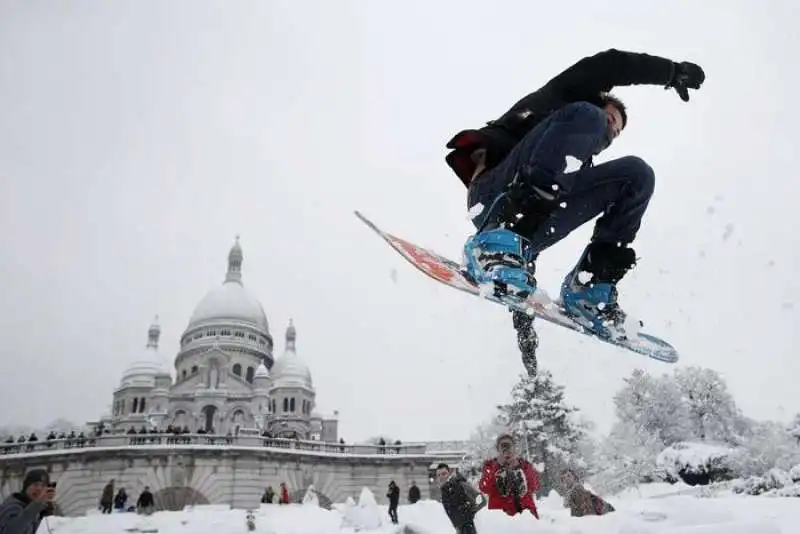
451,273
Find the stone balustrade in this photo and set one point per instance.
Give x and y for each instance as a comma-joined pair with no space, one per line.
183,440
188,469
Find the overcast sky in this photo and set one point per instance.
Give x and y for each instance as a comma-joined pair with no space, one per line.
138,138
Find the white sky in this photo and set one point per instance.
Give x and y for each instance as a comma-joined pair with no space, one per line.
137,139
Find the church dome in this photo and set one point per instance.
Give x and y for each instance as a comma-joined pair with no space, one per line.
230,302
149,365
261,371
289,370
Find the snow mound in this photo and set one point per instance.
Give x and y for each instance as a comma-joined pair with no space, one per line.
674,514
311,498
692,457
366,515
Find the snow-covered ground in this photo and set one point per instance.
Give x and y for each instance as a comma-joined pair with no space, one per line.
654,509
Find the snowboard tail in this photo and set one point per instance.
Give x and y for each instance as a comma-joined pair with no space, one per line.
451,273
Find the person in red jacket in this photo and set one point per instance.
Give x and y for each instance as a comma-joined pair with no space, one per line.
284,498
509,481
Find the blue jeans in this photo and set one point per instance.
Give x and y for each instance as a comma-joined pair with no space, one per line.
619,189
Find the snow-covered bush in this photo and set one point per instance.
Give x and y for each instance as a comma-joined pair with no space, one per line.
776,482
627,458
768,445
695,462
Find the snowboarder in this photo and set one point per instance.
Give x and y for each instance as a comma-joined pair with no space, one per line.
531,182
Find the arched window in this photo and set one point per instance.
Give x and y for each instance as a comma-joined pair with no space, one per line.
135,405
194,369
237,369
291,405
285,404
250,372
141,405
183,374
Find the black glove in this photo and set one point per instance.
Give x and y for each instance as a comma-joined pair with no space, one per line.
516,482
501,482
686,76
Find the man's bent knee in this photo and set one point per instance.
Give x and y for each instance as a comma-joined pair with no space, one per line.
640,172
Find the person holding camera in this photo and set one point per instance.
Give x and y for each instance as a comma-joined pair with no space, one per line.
509,481
22,512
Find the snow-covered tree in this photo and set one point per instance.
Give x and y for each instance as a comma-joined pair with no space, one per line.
627,457
653,405
62,425
59,425
651,416
544,425
711,409
794,428
767,446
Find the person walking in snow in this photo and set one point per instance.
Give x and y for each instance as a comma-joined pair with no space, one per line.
107,497
145,503
531,181
394,500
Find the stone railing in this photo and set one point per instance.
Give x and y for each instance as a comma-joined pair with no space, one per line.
206,440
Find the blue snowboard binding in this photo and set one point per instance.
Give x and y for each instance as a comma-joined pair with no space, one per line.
589,291
500,259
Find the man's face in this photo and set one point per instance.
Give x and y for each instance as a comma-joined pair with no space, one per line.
613,120
36,490
506,450
441,475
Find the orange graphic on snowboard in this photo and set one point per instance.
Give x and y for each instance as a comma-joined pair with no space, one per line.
425,260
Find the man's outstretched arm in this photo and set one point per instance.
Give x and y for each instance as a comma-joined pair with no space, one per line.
613,68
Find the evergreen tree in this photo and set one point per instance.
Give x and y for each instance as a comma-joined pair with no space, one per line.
544,426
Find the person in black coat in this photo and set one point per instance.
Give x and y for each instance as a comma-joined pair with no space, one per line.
22,512
413,493
394,499
145,503
461,501
531,181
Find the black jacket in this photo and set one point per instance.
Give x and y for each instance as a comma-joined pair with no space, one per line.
413,494
393,495
461,501
20,515
586,81
145,499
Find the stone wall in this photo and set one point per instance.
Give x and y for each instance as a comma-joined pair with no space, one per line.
208,470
